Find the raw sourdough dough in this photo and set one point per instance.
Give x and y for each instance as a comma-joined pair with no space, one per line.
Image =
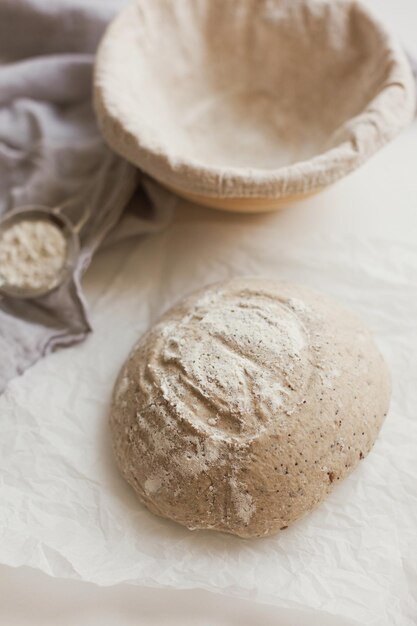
245,404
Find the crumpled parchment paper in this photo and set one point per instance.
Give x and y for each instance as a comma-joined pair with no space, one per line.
64,507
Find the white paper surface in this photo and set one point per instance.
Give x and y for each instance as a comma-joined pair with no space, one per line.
63,506
50,602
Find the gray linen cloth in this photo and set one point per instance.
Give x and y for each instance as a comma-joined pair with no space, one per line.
51,153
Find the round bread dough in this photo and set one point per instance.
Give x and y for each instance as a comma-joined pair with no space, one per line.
246,403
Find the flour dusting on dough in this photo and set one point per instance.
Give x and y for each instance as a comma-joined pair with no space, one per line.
242,501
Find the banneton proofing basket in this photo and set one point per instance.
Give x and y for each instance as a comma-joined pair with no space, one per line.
246,105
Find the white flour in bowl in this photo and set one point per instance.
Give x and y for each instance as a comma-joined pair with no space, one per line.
32,255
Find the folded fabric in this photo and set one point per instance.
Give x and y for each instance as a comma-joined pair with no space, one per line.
51,153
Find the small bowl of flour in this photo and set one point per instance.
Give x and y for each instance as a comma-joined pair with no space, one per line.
38,249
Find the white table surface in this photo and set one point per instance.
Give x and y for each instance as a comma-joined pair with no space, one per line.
29,597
